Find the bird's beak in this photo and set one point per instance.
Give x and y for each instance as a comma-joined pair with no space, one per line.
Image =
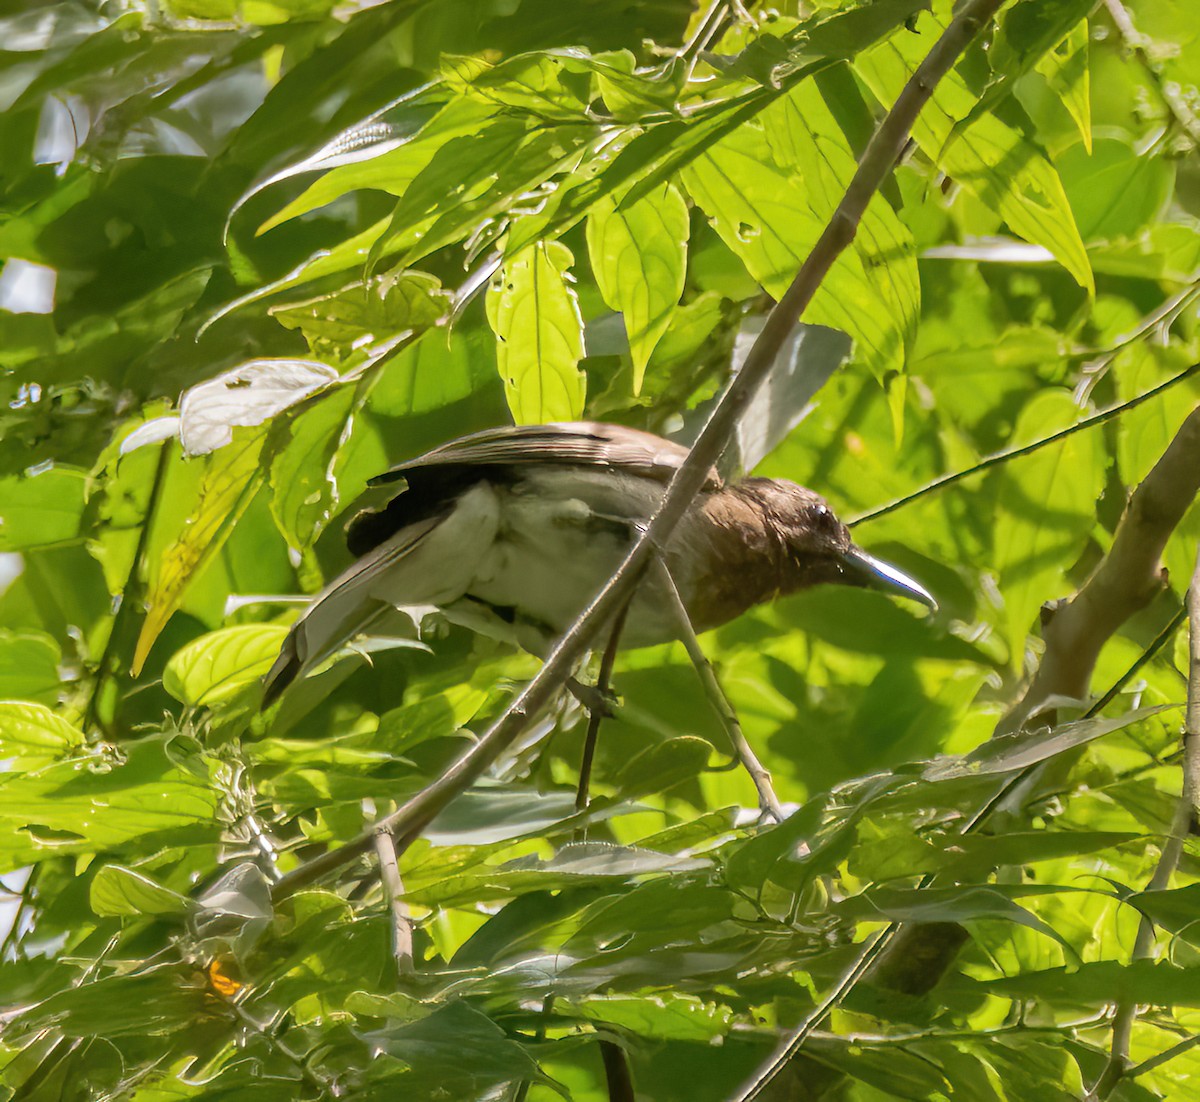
877,574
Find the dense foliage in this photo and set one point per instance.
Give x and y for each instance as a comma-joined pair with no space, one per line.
256,251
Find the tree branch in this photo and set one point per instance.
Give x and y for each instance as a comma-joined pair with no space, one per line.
1143,946
393,891
1126,580
881,153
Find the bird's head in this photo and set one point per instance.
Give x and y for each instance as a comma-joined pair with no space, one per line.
817,545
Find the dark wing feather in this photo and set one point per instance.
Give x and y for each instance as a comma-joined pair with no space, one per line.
582,443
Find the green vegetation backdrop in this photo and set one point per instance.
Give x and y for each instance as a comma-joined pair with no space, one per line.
257,250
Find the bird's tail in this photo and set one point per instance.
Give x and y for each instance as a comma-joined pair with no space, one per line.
347,607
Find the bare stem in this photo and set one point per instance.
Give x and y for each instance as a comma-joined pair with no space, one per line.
393,890
768,802
596,715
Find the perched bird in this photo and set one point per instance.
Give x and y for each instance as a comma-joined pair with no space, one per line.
512,531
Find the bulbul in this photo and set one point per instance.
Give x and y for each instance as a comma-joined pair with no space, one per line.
511,531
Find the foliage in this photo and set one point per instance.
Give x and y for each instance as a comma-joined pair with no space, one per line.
255,252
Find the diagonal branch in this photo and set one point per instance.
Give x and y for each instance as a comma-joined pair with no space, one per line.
1125,581
881,153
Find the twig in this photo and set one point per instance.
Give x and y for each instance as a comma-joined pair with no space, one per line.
1168,861
596,715
1125,581
12,937
1175,104
779,1059
129,593
1026,449
768,802
393,890
877,161
1164,1057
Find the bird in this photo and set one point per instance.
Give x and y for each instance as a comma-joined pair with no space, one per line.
512,530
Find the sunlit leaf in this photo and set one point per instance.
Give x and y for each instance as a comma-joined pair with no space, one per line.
40,509
1004,170
117,890
33,733
227,480
215,666
535,315
1047,502
638,253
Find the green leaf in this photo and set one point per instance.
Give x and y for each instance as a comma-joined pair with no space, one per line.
805,137
434,716
771,221
118,891
29,666
535,315
32,734
1011,753
367,311
1066,71
959,904
670,1016
42,509
145,802
475,178
1004,170
837,614
638,254
304,492
539,84
1045,506
219,488
390,168
1115,191
457,1050
217,665
1025,35
1099,983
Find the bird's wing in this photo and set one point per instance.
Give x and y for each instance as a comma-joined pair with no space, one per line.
576,443
430,561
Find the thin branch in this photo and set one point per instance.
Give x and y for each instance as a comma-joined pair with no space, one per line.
393,891
768,802
1027,449
129,593
1126,580
1143,947
1164,1057
766,1076
884,147
596,715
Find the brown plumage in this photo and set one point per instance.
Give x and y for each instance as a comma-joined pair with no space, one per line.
513,530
